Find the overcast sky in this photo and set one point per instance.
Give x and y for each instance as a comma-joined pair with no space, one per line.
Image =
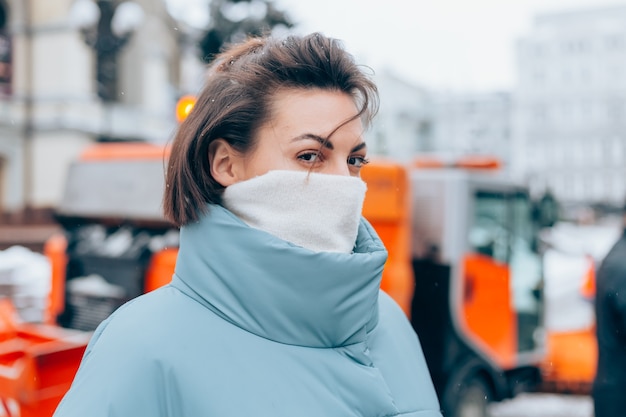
447,44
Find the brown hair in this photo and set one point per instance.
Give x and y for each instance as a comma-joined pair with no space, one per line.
236,101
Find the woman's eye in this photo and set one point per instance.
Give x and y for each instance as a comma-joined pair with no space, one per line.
357,161
310,157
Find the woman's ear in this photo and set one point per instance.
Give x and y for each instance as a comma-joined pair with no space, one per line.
224,162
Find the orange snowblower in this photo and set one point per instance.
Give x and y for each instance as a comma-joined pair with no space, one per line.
37,364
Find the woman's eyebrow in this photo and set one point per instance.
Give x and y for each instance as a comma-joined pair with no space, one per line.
359,147
325,142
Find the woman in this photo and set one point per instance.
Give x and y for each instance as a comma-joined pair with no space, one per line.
275,308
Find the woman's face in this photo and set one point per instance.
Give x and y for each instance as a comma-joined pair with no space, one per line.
296,137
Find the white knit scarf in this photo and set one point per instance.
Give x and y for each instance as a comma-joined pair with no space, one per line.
319,212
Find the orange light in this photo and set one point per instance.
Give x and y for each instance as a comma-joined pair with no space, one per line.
426,162
125,151
184,106
478,162
468,162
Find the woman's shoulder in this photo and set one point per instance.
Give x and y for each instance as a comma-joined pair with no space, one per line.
148,321
394,325
133,350
389,311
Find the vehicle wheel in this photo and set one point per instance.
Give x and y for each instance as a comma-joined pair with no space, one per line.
470,399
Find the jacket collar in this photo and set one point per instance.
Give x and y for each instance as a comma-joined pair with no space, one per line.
277,290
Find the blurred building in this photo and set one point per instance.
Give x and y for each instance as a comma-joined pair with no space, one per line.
570,116
402,127
69,76
472,124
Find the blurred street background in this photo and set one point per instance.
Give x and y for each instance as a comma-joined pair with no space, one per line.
539,86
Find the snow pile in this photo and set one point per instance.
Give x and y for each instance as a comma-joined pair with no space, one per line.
543,405
573,251
25,279
566,308
592,240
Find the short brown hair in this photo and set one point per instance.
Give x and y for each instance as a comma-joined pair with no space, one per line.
236,101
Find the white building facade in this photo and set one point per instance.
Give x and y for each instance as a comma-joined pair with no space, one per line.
402,127
50,111
570,107
473,123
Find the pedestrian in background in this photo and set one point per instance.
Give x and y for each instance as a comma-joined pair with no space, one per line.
609,389
275,307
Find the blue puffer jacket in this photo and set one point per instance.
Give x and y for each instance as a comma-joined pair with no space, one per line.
252,325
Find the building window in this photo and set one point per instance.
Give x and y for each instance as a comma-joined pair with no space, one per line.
540,114
566,155
578,189
470,107
617,188
566,77
578,153
595,151
606,147
556,154
6,54
614,74
615,109
531,157
566,111
598,191
574,46
586,110
585,76
557,184
617,151
566,47
614,42
586,189
580,46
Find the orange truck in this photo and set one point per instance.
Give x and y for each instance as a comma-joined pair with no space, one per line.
463,262
478,299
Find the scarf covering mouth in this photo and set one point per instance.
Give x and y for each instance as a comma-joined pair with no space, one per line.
320,212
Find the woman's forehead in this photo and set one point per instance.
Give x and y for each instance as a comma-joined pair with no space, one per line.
320,111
